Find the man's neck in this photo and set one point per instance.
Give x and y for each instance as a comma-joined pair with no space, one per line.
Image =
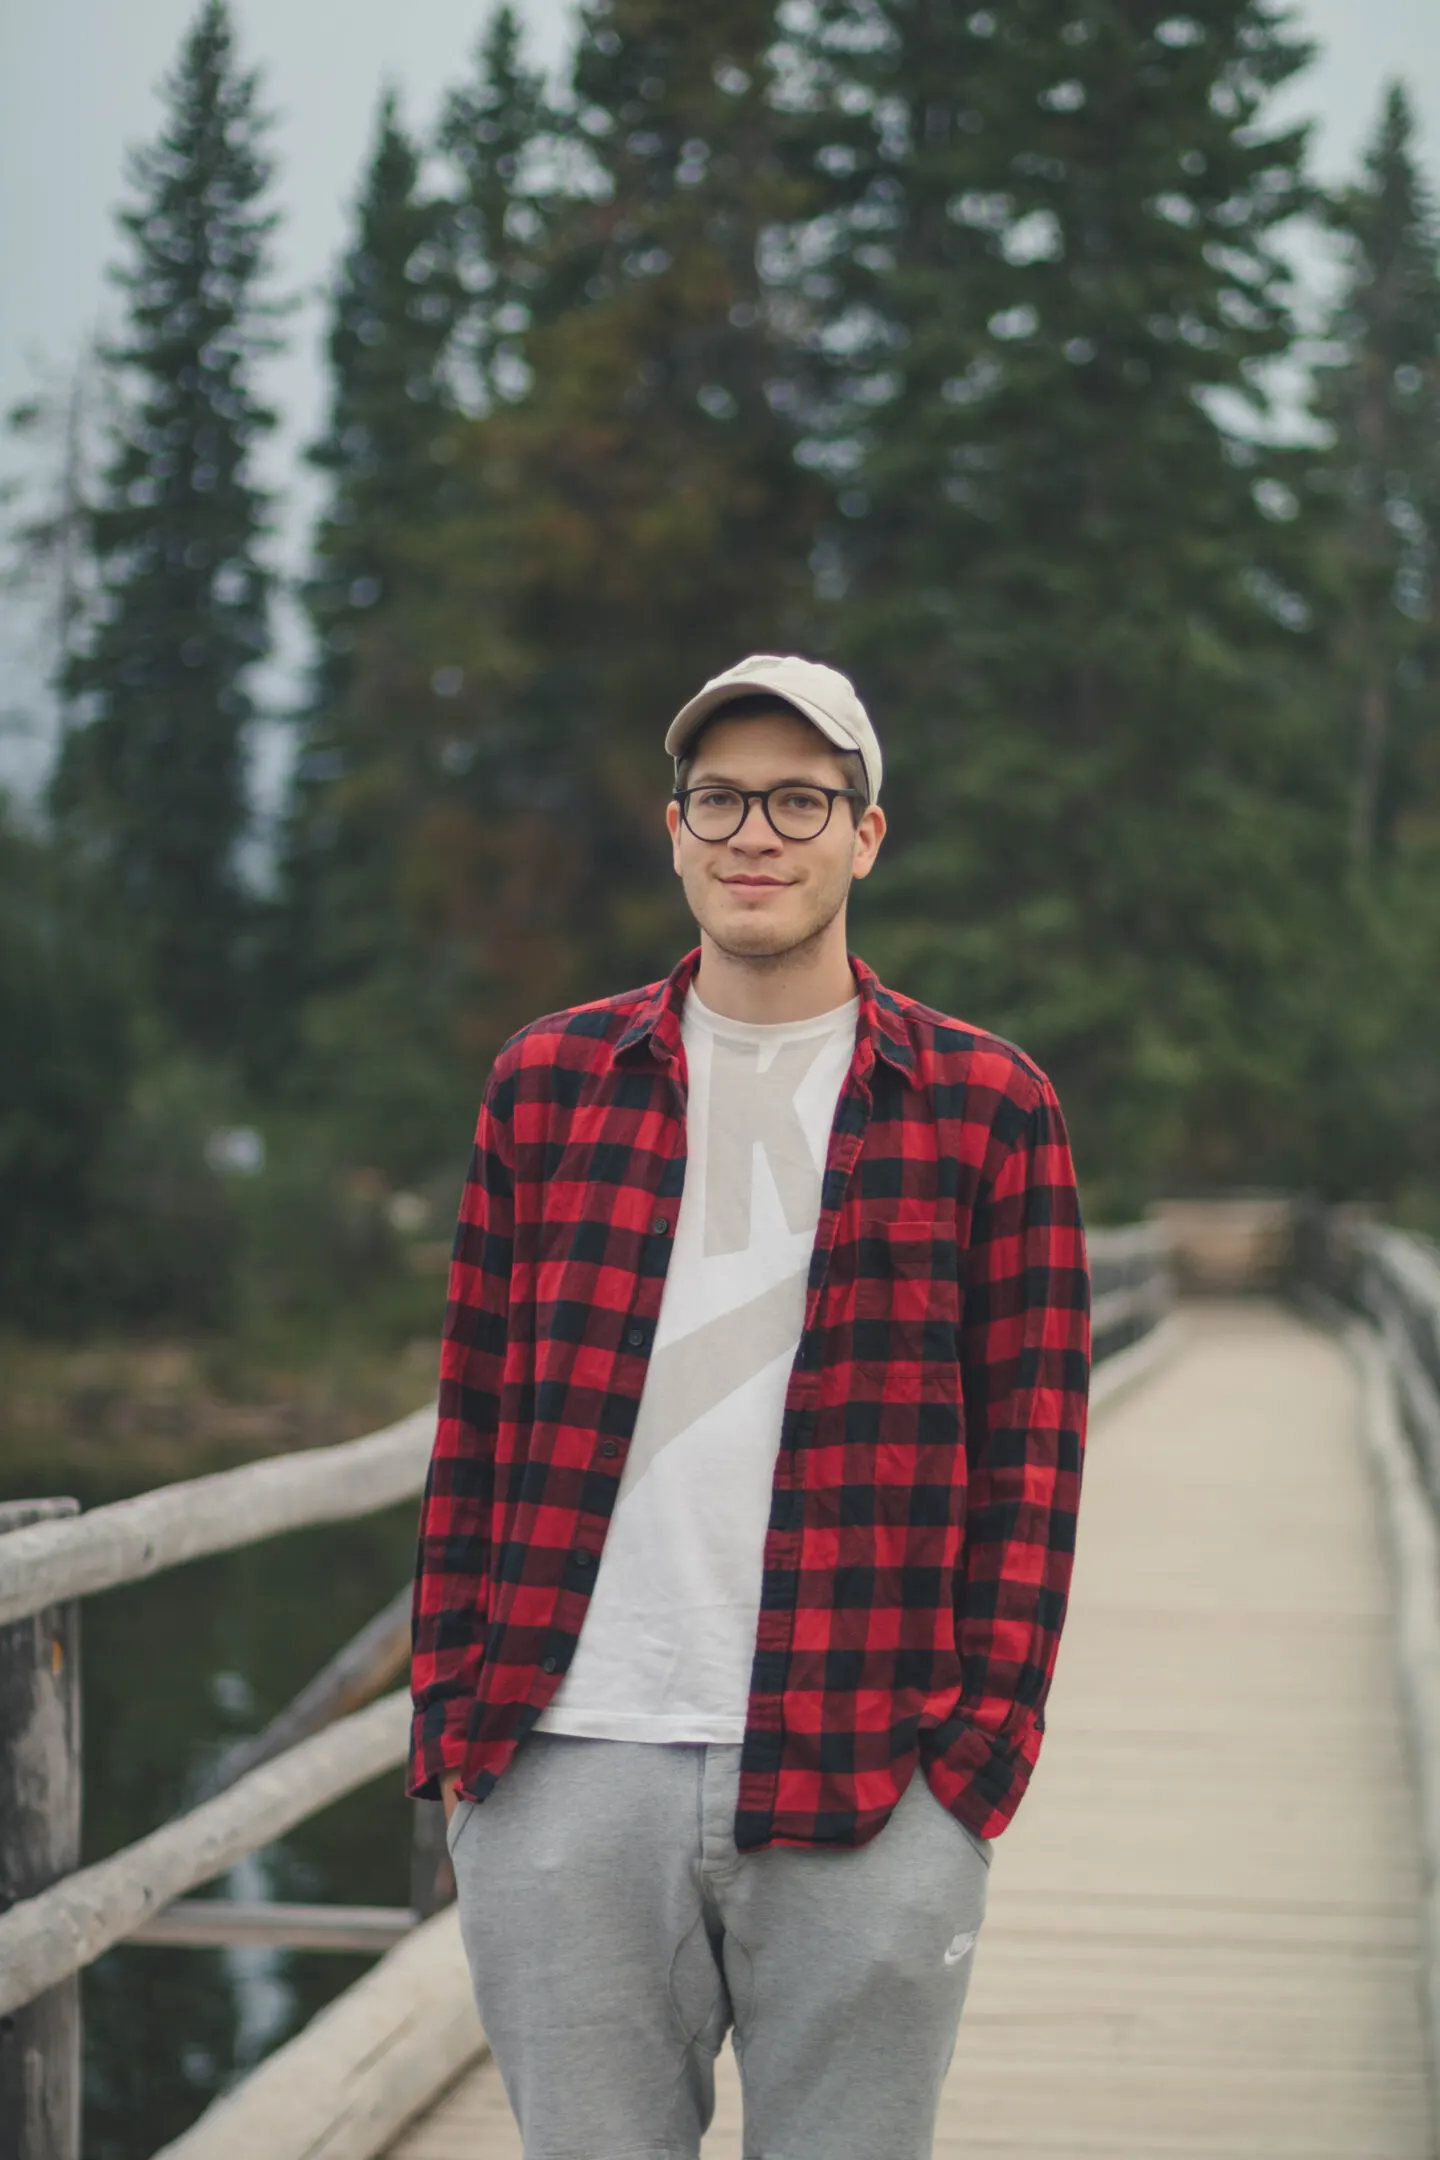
766,993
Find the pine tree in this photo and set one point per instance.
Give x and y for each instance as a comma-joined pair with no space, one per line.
63,1086
1383,402
621,515
153,778
392,313
48,552
363,758
382,834
393,310
636,518
1071,593
496,131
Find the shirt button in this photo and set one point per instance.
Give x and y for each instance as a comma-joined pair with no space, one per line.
609,1447
549,1664
660,1225
635,1337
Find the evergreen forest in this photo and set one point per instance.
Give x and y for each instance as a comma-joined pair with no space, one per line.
962,346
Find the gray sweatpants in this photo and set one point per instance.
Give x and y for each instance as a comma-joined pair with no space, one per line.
614,1934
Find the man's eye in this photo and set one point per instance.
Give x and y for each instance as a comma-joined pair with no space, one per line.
801,799
716,798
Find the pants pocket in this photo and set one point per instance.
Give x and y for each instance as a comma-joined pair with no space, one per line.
454,1829
982,1845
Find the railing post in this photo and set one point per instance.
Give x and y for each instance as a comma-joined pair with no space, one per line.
39,1842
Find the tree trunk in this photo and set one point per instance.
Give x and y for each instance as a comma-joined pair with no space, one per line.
1370,772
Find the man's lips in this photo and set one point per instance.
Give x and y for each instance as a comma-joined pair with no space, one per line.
759,884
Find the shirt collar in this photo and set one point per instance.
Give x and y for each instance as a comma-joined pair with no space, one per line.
657,1017
880,1027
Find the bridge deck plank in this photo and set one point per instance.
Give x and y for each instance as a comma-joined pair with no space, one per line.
1203,1941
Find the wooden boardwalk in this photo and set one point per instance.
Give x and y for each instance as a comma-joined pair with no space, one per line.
1203,1941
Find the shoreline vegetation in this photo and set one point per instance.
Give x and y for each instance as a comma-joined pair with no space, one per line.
118,1416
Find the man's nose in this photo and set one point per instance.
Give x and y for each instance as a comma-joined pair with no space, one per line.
756,829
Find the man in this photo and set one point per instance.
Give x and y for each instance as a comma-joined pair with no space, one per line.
746,1545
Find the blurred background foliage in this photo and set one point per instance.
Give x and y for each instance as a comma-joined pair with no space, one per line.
960,346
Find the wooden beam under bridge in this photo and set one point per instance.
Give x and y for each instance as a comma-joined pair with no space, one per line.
230,1923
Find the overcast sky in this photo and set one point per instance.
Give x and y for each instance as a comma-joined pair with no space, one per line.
77,86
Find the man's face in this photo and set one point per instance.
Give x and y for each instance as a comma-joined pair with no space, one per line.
757,896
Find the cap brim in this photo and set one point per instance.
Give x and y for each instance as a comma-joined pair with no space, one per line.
683,727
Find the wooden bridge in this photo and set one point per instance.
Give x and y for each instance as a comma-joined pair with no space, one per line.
1213,1927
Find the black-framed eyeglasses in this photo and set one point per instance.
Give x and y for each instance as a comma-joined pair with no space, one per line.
795,810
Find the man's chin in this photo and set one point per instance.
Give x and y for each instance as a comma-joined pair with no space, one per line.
742,942
761,941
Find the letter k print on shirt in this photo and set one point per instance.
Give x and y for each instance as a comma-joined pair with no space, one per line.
747,1110
750,1109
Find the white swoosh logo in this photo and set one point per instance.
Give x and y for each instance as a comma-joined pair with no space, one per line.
696,1372
961,1947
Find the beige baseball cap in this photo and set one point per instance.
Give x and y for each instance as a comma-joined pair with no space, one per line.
821,695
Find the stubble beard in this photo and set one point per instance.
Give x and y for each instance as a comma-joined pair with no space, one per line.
769,956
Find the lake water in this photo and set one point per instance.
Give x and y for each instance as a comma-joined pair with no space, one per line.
172,1670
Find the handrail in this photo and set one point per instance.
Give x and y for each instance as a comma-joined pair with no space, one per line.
1396,1281
1132,1241
134,1539
1410,1265
47,1937
353,1677
1112,1308
1412,1534
1131,1281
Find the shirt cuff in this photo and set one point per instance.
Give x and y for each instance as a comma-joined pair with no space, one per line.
979,1778
436,1755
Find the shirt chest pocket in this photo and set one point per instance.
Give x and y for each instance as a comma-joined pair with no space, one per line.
907,1262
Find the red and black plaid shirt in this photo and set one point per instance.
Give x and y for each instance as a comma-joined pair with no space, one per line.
922,1524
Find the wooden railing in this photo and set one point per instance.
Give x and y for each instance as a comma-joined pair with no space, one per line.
1390,1282
56,1917
1396,1281
1391,1278
1132,1285
125,1543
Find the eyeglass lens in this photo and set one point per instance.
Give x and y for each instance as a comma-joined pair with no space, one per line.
796,813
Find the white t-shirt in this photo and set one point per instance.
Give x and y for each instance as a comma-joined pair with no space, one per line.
668,1642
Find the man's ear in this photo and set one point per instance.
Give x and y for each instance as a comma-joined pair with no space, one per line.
868,835
672,826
